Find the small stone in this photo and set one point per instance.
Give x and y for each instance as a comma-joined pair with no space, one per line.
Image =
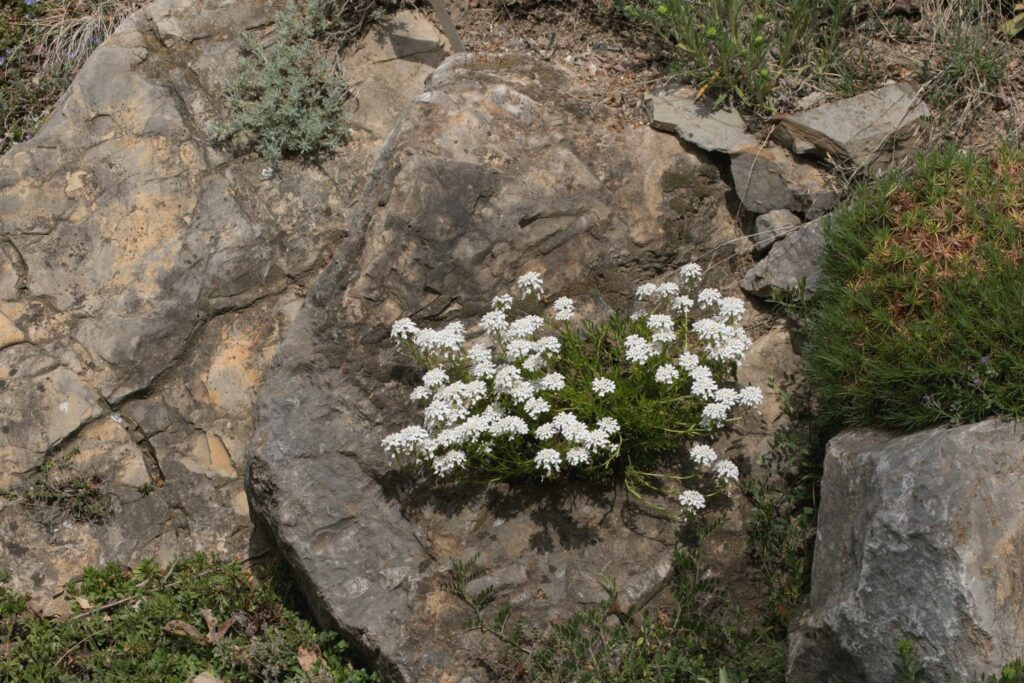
769,178
869,130
694,121
773,226
793,261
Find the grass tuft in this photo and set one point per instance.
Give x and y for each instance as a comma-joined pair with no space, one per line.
150,625
918,321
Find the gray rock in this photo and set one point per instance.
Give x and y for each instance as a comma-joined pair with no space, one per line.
793,261
920,536
147,277
869,130
769,178
769,228
490,173
693,120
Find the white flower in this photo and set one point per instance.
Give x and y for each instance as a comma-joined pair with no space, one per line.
727,397
691,271
519,349
577,456
709,297
546,431
408,441
525,326
404,329
434,378
521,392
715,414
564,307
549,345
549,460
668,290
507,377
571,428
502,302
682,304
692,500
448,462
510,424
608,425
420,393
534,363
726,470
646,291
660,322
483,367
602,386
750,396
704,384
552,381
638,349
448,340
730,308
664,336
703,455
530,283
494,322
666,374
688,362
595,439
535,407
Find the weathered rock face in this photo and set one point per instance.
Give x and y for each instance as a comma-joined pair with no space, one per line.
492,172
919,536
146,278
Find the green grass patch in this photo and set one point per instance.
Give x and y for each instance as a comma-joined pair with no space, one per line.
918,320
154,625
742,49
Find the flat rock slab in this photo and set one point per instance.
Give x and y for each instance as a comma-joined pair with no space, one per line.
495,170
694,120
793,262
146,278
868,130
920,536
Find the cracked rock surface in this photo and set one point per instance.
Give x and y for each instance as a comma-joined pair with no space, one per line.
495,170
920,536
147,277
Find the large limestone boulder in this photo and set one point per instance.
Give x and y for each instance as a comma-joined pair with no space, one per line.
922,537
495,170
146,278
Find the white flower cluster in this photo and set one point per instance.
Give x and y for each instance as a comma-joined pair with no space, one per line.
502,393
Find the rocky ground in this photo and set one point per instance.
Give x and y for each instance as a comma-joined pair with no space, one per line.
193,350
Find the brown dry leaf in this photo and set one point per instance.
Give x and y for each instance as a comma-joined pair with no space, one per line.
307,659
83,603
183,628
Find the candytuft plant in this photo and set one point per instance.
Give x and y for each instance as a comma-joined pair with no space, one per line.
542,396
